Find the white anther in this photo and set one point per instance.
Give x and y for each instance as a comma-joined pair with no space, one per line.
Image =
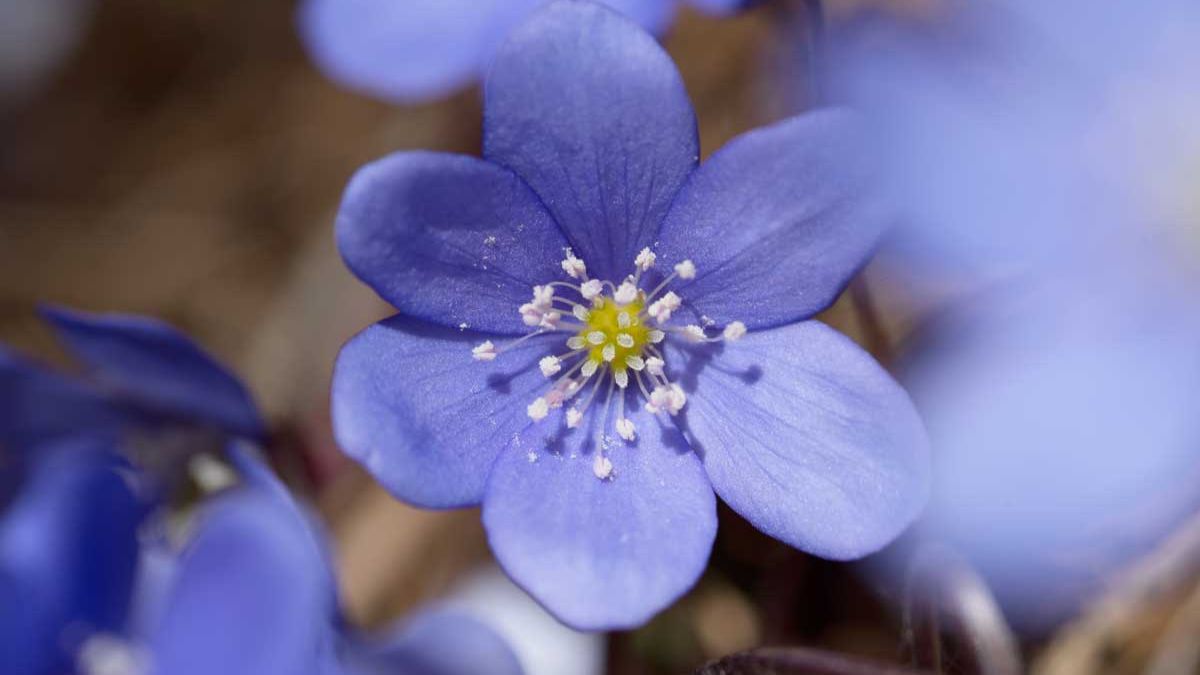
602,467
656,336
669,398
662,308
574,417
686,270
590,289
550,320
543,297
635,362
484,351
654,366
538,410
626,430
609,352
623,320
626,293
549,365
576,342
581,313
625,340
531,315
694,333
596,337
573,266
734,331
645,259
589,367
621,377
569,388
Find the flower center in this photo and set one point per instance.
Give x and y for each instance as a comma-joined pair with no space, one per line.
612,349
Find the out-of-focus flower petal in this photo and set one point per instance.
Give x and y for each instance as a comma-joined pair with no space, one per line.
449,238
590,111
253,592
721,7
153,366
427,420
40,405
1065,438
68,556
441,641
807,437
601,554
776,222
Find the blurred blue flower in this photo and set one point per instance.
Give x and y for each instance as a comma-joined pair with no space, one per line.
1063,423
138,375
253,592
1054,149
597,485
1022,134
421,49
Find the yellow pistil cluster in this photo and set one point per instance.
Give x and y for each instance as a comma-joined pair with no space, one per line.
615,332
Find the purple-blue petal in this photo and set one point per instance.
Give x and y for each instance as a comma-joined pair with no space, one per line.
427,420
449,238
807,437
601,554
68,555
153,366
38,405
591,112
439,641
253,593
776,222
406,51
722,7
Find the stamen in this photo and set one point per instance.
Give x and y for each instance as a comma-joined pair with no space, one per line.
590,289
543,296
574,267
602,466
635,362
550,365
596,337
484,351
645,259
625,340
576,343
686,270
734,331
694,333
662,308
626,293
622,378
581,313
609,353
538,410
574,417
623,320
654,366
589,367
656,336
625,429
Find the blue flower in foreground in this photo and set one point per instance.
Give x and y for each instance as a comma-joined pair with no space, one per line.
252,592
139,376
416,50
595,420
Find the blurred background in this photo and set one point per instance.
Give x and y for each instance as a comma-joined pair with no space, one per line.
185,160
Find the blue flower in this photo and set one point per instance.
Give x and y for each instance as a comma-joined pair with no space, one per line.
421,49
1030,134
1056,147
667,350
253,592
138,374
